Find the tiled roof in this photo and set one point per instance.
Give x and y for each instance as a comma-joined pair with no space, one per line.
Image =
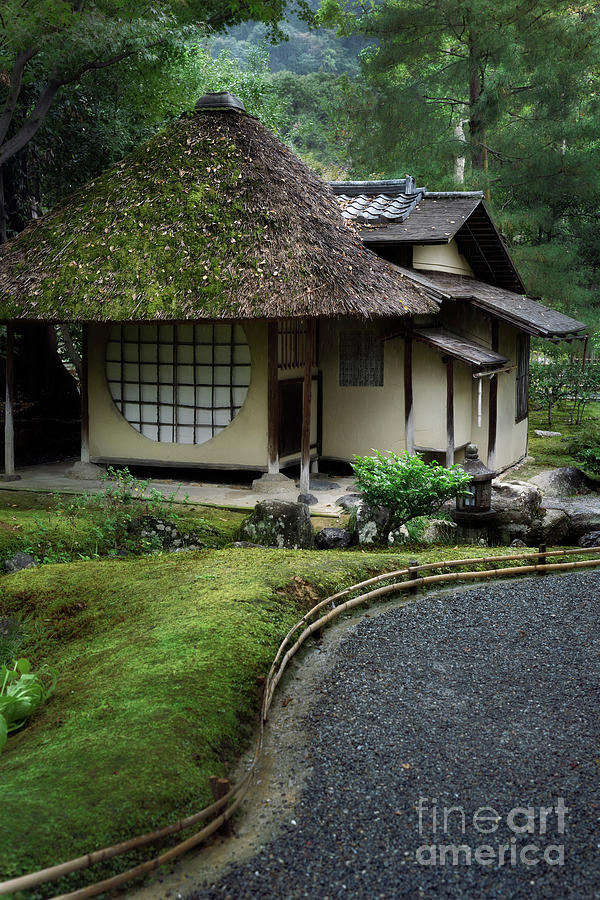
391,202
377,202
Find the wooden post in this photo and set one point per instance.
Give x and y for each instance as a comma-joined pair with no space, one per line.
83,388
9,422
272,399
409,415
412,574
449,411
493,404
306,406
542,560
220,787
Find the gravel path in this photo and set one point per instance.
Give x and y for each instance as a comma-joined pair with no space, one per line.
482,698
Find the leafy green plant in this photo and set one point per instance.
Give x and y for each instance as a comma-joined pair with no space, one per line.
21,693
407,485
585,448
10,640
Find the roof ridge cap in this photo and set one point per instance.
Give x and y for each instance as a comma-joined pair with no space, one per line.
451,194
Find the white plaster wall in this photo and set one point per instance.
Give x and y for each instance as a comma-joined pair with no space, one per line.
359,419
511,440
440,258
242,443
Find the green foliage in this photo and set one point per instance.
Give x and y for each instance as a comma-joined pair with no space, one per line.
10,640
407,485
21,692
109,516
585,448
559,378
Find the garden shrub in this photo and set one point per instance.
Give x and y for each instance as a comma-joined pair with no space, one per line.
585,448
407,485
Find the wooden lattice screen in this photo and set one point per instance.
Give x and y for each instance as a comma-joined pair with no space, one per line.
291,343
178,384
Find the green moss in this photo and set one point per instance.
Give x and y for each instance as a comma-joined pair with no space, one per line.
553,452
157,659
162,231
30,522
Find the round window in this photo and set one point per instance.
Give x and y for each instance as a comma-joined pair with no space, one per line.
180,384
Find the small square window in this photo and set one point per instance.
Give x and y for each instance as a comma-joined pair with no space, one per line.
361,359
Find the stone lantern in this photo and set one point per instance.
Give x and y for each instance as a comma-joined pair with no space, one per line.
475,508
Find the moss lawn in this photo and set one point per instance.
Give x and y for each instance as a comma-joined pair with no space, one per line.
158,660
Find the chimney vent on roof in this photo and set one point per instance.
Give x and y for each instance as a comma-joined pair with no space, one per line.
220,100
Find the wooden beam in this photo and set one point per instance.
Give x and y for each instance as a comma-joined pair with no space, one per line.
493,402
449,411
272,399
9,421
83,388
306,406
409,415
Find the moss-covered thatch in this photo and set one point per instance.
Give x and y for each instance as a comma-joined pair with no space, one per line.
212,218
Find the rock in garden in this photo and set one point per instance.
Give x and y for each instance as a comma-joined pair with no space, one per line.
564,482
370,525
516,502
333,539
399,535
348,501
239,545
591,539
19,562
279,523
439,531
554,526
308,499
320,483
518,543
541,433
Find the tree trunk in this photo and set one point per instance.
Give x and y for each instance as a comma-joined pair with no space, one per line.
476,126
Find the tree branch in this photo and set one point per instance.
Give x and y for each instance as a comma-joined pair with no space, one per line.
29,128
31,125
14,89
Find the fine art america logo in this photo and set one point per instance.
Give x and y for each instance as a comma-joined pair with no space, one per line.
454,836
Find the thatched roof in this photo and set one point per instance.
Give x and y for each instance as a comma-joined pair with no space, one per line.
212,218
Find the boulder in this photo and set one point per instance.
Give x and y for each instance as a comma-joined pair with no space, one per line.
370,525
399,535
308,499
583,521
564,482
439,531
333,539
554,526
279,523
516,502
322,483
518,543
348,501
541,433
591,539
18,562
